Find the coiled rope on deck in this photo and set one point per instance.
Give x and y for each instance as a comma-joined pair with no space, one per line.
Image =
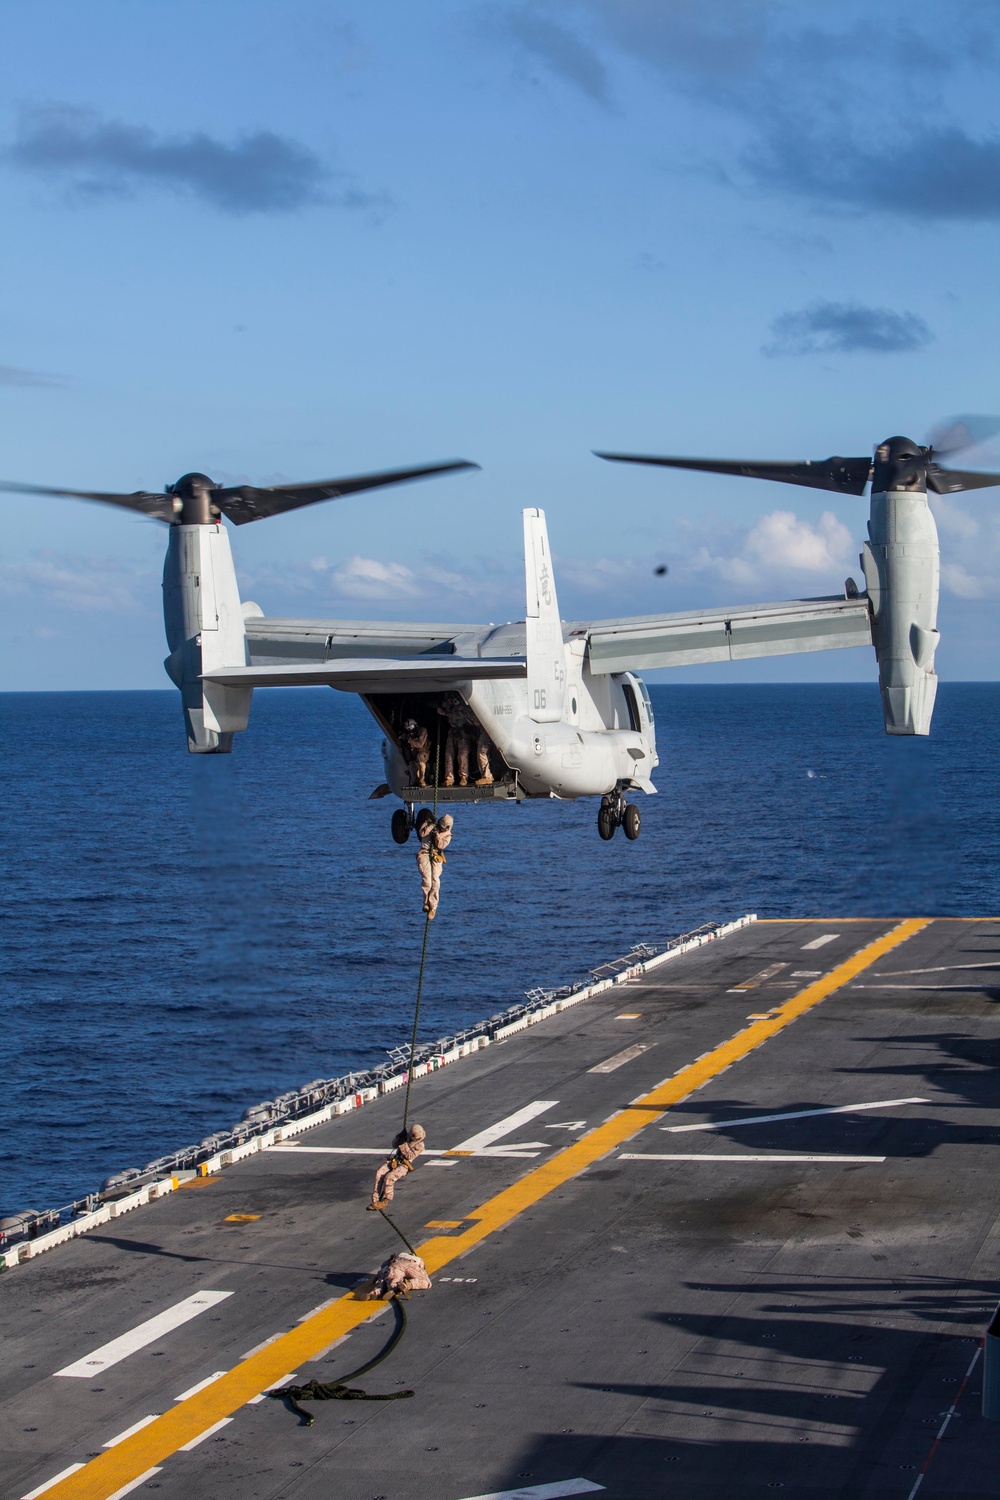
339,1390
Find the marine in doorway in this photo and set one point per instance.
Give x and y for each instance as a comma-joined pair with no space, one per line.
465,734
415,743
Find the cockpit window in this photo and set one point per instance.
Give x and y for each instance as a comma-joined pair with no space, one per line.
635,723
645,698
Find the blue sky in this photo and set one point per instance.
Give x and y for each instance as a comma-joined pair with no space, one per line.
299,240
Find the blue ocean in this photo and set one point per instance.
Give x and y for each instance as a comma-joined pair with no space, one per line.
185,936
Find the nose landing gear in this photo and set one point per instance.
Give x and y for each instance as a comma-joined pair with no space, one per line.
615,812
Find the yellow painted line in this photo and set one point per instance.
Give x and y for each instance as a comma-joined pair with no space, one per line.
824,921
240,1218
111,1471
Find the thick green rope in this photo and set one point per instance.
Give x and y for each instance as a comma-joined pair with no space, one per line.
423,955
396,1227
339,1390
416,1021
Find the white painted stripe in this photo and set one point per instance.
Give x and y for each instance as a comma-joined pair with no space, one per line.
940,969
136,1427
951,1412
320,1307
620,1058
344,1150
772,1156
202,1385
820,942
63,1474
145,1334
797,1114
510,1151
215,1427
755,979
505,1127
285,1380
383,1151
931,989
544,1491
322,1353
272,1338
134,1484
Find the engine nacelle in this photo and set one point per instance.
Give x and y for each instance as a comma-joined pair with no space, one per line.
901,563
204,624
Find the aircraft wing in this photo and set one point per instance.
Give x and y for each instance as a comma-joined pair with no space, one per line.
277,642
371,674
707,635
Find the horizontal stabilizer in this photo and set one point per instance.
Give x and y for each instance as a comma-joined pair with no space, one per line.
374,675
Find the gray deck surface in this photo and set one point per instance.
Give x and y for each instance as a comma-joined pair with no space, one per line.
699,1329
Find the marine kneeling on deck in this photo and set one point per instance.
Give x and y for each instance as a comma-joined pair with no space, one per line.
406,1147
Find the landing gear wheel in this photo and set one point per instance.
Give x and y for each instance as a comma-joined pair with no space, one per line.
400,826
631,821
606,822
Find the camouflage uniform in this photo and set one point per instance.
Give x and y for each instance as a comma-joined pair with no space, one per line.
430,860
482,745
456,745
415,743
400,1274
406,1147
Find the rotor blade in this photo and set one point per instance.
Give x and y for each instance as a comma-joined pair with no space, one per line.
848,476
159,507
244,502
949,481
963,432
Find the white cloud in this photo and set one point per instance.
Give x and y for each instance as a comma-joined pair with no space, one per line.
953,521
778,546
781,540
367,578
600,575
970,545
956,579
422,584
92,585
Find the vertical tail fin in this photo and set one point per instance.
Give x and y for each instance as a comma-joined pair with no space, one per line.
545,651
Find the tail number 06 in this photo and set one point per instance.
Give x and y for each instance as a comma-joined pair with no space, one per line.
539,697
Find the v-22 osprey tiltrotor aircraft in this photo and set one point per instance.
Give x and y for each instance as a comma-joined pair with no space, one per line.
555,706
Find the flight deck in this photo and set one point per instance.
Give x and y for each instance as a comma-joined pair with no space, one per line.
725,1228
